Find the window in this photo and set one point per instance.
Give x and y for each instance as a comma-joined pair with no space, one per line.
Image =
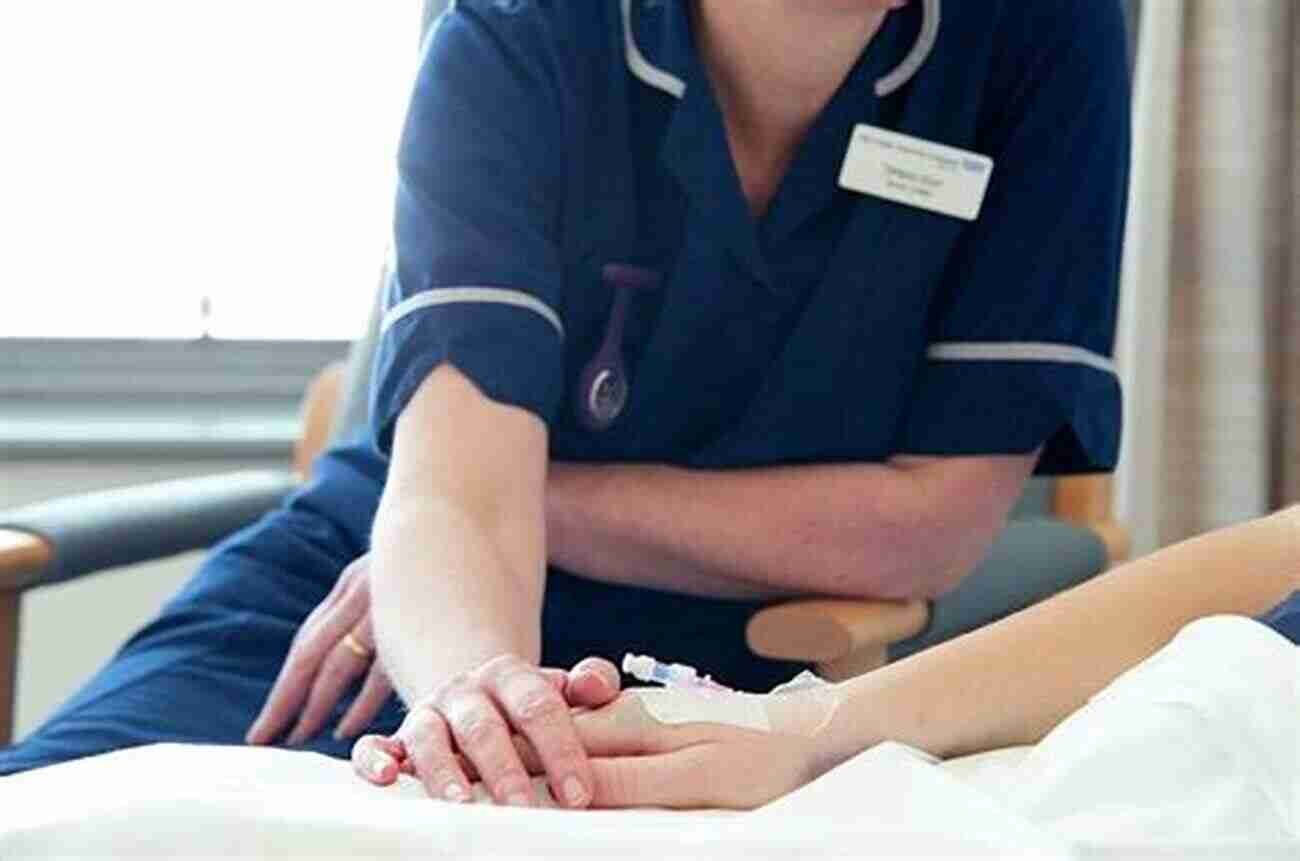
173,169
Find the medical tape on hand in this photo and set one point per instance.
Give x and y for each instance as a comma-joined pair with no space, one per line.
805,713
802,712
678,706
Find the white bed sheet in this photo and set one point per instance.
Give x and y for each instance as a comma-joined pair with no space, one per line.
1196,749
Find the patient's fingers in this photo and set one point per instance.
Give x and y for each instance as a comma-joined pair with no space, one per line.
592,682
621,728
555,678
674,780
626,728
722,767
374,693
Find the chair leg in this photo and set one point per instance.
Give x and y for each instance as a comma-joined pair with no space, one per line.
10,604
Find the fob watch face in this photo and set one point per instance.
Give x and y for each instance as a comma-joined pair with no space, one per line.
607,396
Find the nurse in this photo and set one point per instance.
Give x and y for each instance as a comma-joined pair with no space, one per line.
698,304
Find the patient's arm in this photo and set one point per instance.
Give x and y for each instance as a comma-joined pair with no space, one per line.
1004,685
1012,682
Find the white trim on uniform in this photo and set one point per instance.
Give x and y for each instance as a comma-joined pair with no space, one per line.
1065,354
457,295
911,65
640,67
674,86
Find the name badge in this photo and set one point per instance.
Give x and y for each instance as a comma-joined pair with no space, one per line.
916,172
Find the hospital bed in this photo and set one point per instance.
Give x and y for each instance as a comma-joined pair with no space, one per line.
1193,753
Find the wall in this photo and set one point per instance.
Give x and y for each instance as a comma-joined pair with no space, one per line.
68,631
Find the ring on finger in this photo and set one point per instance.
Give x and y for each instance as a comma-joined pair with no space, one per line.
356,647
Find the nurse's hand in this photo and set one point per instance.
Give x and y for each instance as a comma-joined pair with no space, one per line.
639,762
332,649
477,725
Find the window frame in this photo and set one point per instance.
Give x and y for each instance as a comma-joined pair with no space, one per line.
117,399
131,369
40,376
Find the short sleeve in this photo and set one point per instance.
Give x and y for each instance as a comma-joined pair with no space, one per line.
475,277
1022,334
1285,618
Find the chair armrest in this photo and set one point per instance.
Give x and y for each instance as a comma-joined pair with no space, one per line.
1114,537
1085,501
22,556
827,632
823,630
1031,560
91,532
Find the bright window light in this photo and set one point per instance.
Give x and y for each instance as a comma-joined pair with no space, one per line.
170,168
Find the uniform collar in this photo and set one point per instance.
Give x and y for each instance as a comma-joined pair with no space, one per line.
660,51
663,67
657,43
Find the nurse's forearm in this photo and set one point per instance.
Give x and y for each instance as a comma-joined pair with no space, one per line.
1012,682
457,570
901,530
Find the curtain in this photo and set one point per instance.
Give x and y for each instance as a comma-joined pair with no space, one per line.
1210,327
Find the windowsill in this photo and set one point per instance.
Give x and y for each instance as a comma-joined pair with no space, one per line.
159,400
168,430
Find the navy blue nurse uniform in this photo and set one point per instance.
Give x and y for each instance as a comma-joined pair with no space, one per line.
548,140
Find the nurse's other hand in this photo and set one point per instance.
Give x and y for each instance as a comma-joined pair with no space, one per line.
471,726
638,762
322,666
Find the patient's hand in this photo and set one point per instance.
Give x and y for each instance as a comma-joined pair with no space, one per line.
638,761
